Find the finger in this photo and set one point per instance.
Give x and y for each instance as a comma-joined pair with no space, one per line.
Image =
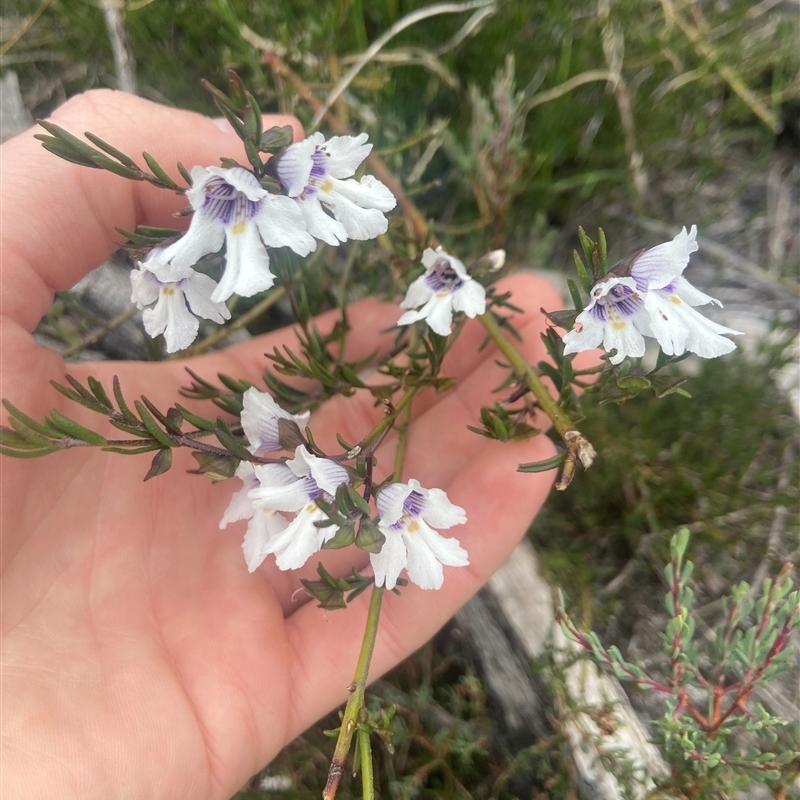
327,645
59,218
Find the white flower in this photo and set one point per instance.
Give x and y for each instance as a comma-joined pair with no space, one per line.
445,287
408,515
232,207
648,296
294,487
615,318
260,418
171,288
264,522
312,172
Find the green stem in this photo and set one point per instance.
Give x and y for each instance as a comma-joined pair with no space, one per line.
367,778
578,446
371,441
226,330
402,444
561,422
356,701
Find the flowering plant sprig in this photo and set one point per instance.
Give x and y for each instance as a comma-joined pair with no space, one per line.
295,497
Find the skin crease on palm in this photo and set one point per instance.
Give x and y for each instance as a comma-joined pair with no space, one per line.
139,657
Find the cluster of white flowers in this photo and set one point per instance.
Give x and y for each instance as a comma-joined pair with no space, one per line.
648,296
232,208
408,512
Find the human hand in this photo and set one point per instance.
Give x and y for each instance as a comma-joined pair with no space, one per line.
140,658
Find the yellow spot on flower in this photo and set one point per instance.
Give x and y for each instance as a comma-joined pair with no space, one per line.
238,228
412,526
326,185
674,299
310,507
167,291
618,325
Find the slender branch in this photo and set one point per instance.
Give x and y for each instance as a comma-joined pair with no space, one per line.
124,64
98,333
367,777
240,322
356,702
402,444
371,441
26,25
400,25
578,447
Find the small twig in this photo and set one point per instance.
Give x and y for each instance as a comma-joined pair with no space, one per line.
728,74
240,322
23,28
590,76
403,23
124,64
98,333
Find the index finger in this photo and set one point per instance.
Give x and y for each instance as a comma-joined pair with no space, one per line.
58,218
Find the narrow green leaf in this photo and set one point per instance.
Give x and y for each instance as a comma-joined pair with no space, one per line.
583,275
132,237
201,423
232,117
162,418
158,172
152,427
63,150
236,386
27,435
77,145
132,451
108,164
72,428
253,122
351,376
121,404
232,444
99,392
356,500
603,247
133,427
577,300
542,466
71,394
15,413
587,245
7,451
125,160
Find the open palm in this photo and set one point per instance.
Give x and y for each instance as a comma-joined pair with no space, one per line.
140,659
